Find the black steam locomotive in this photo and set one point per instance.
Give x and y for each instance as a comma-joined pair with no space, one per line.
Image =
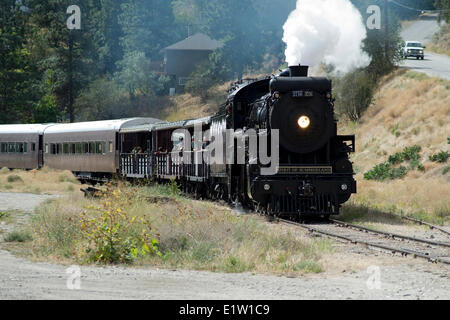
285,158
314,176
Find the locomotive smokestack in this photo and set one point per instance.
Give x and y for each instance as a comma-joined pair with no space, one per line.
298,71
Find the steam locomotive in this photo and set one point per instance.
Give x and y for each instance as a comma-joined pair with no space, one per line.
304,171
315,175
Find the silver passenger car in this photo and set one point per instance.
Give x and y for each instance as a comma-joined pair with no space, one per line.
89,149
21,145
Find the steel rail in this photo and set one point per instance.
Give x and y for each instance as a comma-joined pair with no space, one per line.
404,252
390,234
432,226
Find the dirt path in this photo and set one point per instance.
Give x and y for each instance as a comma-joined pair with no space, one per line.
22,279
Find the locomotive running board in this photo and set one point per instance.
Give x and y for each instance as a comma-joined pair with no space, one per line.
304,170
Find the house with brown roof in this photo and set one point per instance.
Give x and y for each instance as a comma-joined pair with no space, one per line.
181,58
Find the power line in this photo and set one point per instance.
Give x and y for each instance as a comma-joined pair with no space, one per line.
418,10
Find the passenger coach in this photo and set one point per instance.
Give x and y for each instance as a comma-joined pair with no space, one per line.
21,145
89,149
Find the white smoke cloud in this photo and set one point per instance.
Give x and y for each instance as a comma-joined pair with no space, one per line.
329,31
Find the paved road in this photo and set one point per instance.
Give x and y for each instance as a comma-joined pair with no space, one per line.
434,64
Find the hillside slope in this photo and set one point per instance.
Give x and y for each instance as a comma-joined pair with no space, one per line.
441,41
410,109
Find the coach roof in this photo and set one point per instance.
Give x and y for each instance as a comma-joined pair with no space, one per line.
24,128
141,128
107,125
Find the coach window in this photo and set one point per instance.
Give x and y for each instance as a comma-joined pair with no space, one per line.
19,147
33,147
111,147
85,148
52,148
78,148
25,147
72,148
91,147
60,148
46,148
66,148
4,147
99,147
11,147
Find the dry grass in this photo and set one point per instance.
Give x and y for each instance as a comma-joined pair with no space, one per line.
410,109
441,41
38,181
192,235
185,106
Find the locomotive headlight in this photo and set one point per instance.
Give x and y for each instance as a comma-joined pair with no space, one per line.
344,187
276,95
304,122
267,187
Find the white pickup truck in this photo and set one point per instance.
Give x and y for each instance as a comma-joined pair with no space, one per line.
413,49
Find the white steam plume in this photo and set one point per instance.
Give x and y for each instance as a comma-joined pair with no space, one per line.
329,31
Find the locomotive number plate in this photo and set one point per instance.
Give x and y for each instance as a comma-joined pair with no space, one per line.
302,94
305,170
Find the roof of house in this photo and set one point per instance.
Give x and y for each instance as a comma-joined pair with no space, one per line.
198,41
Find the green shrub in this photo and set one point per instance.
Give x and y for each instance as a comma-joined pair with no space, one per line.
441,157
65,178
18,236
114,236
379,172
387,170
4,170
446,170
308,266
208,74
14,178
234,264
354,93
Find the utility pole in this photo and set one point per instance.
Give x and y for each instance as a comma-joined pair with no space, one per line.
386,28
70,111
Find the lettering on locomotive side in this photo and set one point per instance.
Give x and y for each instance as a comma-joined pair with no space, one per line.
304,170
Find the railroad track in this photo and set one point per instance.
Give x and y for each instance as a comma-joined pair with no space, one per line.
432,226
433,251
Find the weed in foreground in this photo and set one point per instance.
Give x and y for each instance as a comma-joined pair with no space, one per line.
113,235
18,236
